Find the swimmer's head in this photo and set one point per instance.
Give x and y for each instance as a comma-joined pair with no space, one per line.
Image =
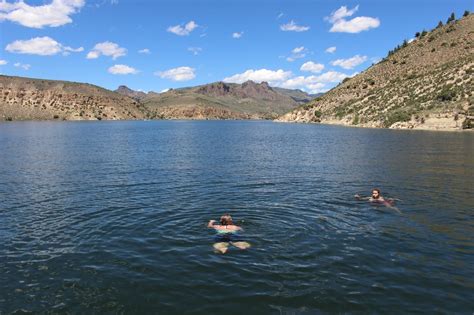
226,219
376,193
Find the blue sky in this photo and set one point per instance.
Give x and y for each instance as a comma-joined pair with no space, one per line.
155,45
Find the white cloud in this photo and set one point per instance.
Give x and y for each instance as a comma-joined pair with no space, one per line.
195,50
280,15
43,46
355,25
297,53
304,83
144,51
164,90
54,14
341,13
22,65
107,49
298,50
122,69
349,63
183,31
312,67
331,49
293,27
237,34
270,76
286,79
314,83
3,62
177,74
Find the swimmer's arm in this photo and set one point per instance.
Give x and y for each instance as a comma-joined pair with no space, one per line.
358,197
211,224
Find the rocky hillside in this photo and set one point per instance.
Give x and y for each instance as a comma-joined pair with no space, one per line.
220,100
425,84
35,99
124,90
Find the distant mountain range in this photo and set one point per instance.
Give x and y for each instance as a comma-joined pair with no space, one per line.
220,101
425,84
36,99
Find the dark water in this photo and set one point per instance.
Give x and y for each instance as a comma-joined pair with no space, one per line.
109,217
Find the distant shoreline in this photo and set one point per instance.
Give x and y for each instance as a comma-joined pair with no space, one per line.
255,120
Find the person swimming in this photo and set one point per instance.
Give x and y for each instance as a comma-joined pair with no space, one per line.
377,197
227,234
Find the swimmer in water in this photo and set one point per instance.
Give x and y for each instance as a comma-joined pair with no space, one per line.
378,198
227,234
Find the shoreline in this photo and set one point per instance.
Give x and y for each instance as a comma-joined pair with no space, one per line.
236,119
378,128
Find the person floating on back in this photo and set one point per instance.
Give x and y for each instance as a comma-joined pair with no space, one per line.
227,234
378,198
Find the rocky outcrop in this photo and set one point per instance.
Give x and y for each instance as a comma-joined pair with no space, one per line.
248,89
124,90
425,84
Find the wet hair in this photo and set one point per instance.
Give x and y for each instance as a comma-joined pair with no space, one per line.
226,219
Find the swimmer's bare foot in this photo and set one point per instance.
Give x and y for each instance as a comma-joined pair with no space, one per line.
221,247
241,245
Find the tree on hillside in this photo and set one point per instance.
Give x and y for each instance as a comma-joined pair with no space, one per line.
452,18
466,13
417,34
440,24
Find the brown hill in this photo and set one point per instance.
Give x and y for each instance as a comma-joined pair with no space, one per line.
425,84
124,90
220,100
35,99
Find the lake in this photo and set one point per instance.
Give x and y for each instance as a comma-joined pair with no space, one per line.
110,217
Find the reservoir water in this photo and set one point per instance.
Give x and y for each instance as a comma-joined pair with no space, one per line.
110,217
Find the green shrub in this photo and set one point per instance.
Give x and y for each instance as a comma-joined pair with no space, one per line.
451,18
467,124
450,29
318,113
355,120
446,94
396,116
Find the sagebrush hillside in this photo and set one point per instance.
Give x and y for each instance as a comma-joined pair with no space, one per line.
425,84
36,99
